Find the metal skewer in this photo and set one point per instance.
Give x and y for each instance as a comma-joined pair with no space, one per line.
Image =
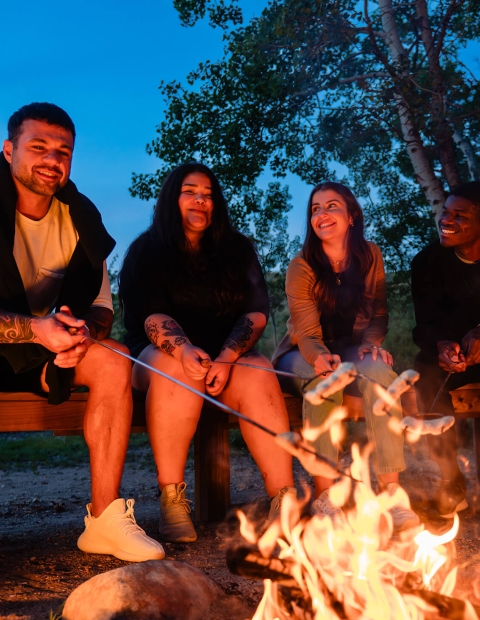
217,403
442,387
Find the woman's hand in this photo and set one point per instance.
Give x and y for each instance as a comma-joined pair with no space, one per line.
326,363
367,347
217,378
192,362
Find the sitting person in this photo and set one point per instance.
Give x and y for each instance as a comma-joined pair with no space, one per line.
338,312
54,291
446,296
194,296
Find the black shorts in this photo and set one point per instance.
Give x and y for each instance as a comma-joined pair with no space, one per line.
28,381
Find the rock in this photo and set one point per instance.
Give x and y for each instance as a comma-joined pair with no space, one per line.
153,590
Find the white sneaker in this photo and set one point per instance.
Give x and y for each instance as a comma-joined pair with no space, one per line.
403,516
115,532
323,507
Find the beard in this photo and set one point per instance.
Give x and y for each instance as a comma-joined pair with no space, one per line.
27,178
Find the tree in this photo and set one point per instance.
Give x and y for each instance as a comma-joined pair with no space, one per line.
310,84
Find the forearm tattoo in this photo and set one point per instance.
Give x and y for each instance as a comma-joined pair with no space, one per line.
99,322
169,328
15,329
239,339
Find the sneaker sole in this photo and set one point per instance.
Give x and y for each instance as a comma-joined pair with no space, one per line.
107,549
180,539
461,506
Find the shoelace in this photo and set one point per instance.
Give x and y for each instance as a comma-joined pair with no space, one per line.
126,521
181,499
280,495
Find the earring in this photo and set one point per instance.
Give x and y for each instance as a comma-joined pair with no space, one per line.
352,224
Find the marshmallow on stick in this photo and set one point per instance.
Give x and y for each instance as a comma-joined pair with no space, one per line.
336,381
389,396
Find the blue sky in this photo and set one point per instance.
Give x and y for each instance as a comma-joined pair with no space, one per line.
103,61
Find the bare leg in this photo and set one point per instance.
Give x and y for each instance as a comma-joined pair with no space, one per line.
108,418
257,395
172,413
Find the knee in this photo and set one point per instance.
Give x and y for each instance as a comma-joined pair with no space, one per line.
376,369
110,363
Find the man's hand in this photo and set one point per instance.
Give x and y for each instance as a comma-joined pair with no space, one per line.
368,347
450,356
471,346
192,362
217,378
52,331
326,363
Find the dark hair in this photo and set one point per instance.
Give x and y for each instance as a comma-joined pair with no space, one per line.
359,254
469,191
46,112
224,256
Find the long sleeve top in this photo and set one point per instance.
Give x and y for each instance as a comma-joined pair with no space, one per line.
304,325
446,296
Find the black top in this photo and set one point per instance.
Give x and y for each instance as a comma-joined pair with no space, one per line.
446,296
338,323
146,288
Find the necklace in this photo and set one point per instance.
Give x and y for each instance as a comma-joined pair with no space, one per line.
337,277
335,265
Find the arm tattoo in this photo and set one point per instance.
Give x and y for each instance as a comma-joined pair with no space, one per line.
170,329
99,321
239,338
15,329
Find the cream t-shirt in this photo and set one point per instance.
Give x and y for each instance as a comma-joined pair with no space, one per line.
42,250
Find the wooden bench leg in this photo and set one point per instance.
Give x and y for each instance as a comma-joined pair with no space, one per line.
212,466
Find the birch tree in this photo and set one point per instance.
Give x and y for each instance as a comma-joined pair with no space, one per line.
379,89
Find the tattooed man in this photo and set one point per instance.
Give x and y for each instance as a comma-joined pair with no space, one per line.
54,294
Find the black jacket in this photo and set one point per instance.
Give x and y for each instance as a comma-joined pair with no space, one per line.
81,283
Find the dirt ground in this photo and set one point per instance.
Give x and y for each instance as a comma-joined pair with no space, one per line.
41,517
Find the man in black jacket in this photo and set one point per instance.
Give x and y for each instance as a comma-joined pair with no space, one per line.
54,291
446,296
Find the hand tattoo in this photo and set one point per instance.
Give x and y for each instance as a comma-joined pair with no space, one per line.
239,338
15,329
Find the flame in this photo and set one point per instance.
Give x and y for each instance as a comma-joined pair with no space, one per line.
356,561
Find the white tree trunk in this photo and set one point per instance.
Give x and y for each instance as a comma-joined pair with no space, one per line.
466,148
425,175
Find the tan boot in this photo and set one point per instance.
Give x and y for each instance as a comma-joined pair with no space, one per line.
175,522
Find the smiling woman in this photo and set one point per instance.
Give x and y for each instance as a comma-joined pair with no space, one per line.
338,312
195,300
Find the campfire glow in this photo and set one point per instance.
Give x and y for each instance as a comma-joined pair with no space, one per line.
354,567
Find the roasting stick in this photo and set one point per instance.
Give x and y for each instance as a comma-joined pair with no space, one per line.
283,437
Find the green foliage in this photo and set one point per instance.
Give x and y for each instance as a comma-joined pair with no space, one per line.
309,84
221,13
118,329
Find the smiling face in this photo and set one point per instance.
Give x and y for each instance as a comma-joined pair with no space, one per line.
329,218
196,205
459,226
41,157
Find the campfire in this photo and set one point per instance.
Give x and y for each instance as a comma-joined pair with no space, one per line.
355,567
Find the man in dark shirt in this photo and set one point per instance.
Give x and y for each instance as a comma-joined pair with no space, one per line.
446,296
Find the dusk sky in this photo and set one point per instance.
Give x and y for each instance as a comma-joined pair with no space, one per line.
102,61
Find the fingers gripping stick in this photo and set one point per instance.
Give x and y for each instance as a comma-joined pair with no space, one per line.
389,397
340,378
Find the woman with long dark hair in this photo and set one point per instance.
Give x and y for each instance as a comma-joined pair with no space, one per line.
194,296
338,312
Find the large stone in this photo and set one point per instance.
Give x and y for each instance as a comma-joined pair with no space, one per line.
154,590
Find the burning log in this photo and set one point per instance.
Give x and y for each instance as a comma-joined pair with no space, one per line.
336,381
247,562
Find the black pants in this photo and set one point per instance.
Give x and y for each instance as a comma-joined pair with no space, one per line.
442,448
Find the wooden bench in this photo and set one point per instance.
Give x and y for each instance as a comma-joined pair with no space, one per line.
29,412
